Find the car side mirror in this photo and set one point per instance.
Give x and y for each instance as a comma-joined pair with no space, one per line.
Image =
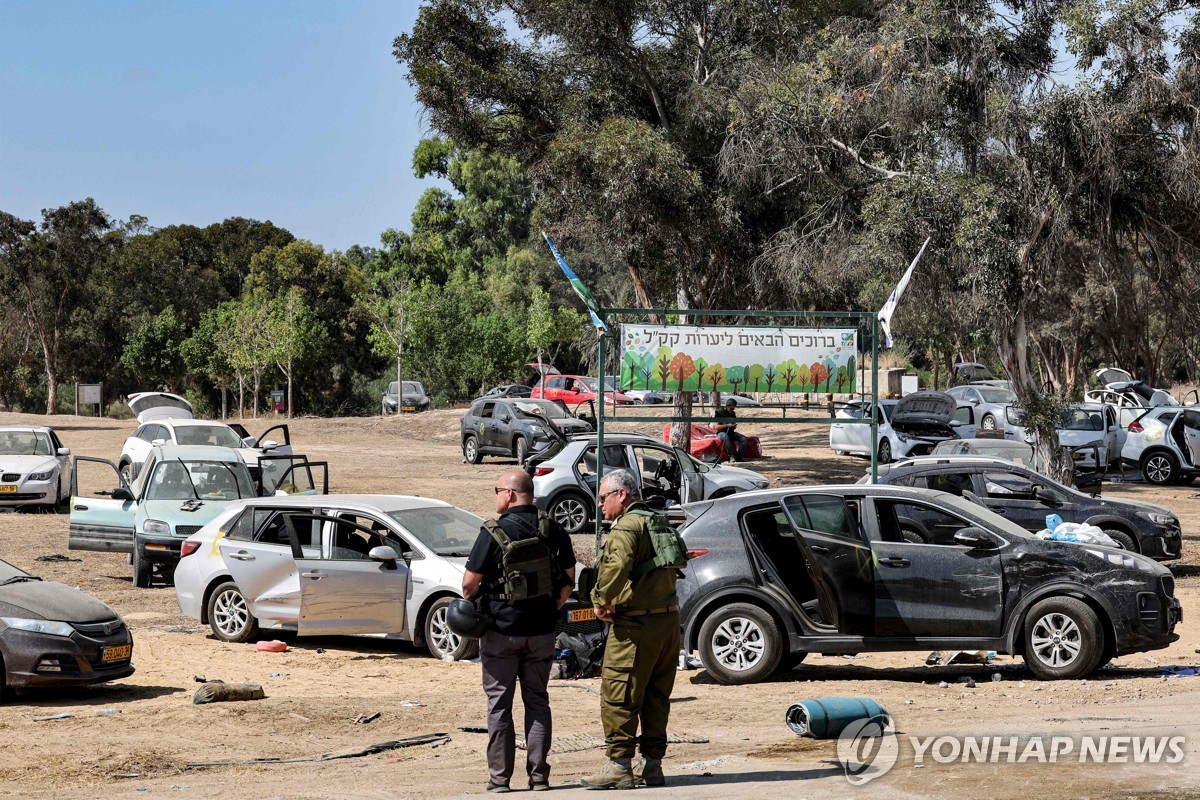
1043,495
385,554
158,442
121,493
268,445
64,451
975,538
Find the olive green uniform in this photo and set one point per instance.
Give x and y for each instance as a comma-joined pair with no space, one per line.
642,650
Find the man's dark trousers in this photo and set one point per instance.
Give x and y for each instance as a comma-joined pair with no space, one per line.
506,660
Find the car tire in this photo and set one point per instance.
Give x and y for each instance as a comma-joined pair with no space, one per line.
521,450
988,423
1063,639
912,535
471,450
789,661
1160,468
885,452
572,511
3,682
143,570
1123,539
229,614
127,474
740,643
442,642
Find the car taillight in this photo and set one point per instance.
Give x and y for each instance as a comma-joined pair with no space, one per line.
696,553
540,471
188,548
1136,427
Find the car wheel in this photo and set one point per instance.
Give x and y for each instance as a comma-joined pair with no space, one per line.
572,511
740,643
521,450
126,470
442,642
885,452
912,534
1123,539
1160,468
143,570
789,661
3,682
229,614
471,450
1063,639
988,423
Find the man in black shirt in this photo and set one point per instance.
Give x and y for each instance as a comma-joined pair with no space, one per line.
725,422
520,645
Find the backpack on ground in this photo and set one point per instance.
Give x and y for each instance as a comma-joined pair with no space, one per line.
527,566
669,550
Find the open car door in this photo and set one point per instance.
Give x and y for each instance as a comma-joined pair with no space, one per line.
277,439
292,474
101,522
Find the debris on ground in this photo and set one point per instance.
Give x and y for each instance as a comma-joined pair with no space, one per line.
273,646
940,659
473,728
410,704
434,739
1178,670
827,717
221,692
56,558
99,712
366,719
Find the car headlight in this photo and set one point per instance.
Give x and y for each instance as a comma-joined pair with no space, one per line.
761,484
156,526
904,437
41,476
39,626
1158,519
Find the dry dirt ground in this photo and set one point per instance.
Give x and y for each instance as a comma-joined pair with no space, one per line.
317,689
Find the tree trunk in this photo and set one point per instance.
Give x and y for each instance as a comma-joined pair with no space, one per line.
257,386
224,401
289,394
400,372
52,391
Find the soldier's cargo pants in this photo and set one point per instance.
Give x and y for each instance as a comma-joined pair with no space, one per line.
641,655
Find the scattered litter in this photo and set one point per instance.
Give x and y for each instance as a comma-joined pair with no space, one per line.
221,692
968,681
273,646
908,702
183,629
299,717
56,558
943,685
434,739
278,674
410,704
99,712
688,661
201,679
939,659
1178,670
473,728
1076,532
827,717
319,650
997,677
590,741
366,719
574,686
126,775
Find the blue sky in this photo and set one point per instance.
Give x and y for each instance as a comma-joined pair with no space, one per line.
292,111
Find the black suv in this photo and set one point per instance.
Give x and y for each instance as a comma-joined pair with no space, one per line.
514,427
781,573
1026,498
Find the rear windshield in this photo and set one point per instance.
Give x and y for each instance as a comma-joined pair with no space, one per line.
446,531
217,435
157,401
541,408
25,443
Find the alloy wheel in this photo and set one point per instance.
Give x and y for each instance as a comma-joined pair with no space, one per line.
444,640
738,644
231,614
1056,640
570,513
1159,469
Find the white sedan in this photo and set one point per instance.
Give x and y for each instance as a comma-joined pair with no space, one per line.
911,426
34,467
385,565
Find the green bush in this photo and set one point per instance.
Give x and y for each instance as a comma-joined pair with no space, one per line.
202,408
118,409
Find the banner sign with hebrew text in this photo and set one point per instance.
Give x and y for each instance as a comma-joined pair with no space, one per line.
710,358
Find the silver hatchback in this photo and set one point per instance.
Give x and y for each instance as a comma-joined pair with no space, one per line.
564,478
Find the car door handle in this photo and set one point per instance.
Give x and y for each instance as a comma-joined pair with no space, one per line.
316,576
895,561
81,508
241,556
816,548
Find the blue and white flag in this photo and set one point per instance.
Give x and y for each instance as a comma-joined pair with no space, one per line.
889,308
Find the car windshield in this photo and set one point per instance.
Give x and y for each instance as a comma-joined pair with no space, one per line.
541,408
204,480
218,435
446,531
993,519
998,396
24,443
1078,419
410,387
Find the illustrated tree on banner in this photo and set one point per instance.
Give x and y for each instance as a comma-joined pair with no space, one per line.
818,374
802,377
662,365
770,375
681,368
754,372
852,372
788,372
716,376
735,376
830,371
841,378
701,371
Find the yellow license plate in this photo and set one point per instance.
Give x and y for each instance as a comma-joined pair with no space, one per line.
582,615
8,489
119,653
410,408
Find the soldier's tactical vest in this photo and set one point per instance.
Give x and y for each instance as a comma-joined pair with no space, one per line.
526,565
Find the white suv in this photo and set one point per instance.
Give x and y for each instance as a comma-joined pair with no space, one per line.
1165,444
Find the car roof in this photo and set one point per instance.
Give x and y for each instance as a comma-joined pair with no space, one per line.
186,423
378,502
874,489
36,428
617,438
957,459
197,452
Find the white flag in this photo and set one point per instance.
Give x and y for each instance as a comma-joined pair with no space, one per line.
889,308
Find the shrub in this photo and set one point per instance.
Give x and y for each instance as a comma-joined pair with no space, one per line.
118,409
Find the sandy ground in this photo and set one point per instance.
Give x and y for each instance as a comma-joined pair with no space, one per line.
317,689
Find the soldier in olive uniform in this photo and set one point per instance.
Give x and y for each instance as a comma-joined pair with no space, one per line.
641,653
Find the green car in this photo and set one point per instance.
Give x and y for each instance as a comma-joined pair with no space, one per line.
177,491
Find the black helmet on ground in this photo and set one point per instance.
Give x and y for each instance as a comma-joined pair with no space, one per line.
465,619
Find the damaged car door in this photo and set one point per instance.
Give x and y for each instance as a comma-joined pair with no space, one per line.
104,522
264,565
1191,435
355,583
940,587
293,475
